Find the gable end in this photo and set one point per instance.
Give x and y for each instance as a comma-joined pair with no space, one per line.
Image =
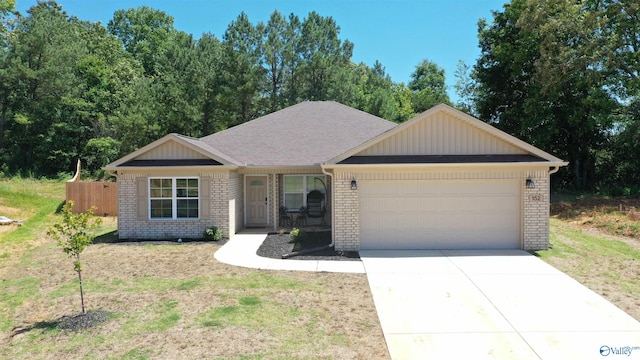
441,134
171,150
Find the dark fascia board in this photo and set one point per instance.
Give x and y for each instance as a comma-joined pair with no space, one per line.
441,159
170,162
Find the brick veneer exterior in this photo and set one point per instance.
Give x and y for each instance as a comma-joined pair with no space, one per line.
535,212
226,204
132,226
535,202
347,212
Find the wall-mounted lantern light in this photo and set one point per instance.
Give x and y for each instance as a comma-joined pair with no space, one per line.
530,184
354,185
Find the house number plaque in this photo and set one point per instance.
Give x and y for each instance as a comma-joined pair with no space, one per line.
536,197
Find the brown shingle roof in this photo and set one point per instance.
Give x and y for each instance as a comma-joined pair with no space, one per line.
309,133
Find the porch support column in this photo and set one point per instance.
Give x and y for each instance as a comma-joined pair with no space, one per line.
274,202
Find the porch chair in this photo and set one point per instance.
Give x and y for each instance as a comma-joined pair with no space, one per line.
285,218
301,219
315,206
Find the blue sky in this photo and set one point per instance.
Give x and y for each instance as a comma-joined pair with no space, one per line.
399,34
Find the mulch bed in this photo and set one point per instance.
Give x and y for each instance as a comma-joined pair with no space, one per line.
140,242
76,322
276,245
82,321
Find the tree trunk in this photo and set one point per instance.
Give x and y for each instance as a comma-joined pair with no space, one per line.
80,280
81,292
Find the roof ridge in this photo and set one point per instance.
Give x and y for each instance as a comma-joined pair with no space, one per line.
307,133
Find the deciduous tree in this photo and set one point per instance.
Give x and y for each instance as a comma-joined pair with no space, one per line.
540,78
74,234
428,86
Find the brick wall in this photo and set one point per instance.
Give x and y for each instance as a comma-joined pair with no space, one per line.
220,214
535,226
131,226
534,212
347,214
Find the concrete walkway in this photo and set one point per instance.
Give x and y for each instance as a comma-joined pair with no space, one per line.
491,305
241,251
472,304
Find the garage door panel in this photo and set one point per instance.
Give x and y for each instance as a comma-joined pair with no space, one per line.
439,215
427,206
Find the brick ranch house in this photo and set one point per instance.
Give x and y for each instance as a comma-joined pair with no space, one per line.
442,180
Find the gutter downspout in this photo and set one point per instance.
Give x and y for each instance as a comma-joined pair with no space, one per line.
333,208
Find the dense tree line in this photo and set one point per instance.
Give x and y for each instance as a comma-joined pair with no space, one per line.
74,89
560,74
564,75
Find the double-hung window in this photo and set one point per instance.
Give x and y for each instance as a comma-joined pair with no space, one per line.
173,198
296,188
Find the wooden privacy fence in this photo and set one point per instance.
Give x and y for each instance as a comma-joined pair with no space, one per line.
102,195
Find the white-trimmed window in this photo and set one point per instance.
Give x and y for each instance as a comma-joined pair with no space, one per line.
174,198
296,188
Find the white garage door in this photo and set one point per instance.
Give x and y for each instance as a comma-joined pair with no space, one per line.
440,215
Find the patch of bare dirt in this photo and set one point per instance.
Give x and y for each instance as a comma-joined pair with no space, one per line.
7,228
8,211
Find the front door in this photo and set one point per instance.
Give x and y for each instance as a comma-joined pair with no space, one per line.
256,200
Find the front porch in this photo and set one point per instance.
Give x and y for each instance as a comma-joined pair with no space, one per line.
287,199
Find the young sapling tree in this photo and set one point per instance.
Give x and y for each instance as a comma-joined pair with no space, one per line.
73,234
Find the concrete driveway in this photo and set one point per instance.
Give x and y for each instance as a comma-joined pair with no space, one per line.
492,305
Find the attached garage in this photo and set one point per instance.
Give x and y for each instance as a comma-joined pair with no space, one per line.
442,180
468,214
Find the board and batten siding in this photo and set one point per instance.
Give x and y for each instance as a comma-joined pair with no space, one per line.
442,134
171,150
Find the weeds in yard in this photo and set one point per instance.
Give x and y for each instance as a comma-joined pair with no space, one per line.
136,354
14,293
155,317
249,311
609,215
130,286
608,266
169,301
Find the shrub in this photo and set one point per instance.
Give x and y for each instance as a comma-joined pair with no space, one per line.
213,233
297,235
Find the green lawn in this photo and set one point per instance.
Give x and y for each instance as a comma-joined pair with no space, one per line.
167,301
34,201
608,265
176,301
